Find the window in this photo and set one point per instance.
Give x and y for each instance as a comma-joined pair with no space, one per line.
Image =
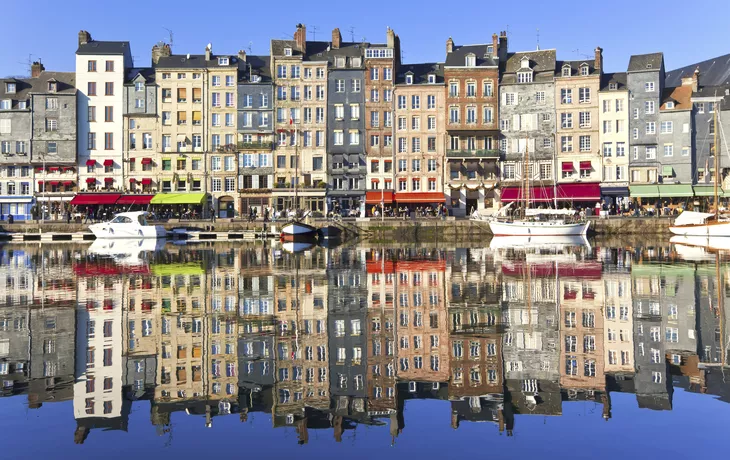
356,84
431,101
51,124
108,141
650,152
91,89
338,138
415,102
540,97
471,60
91,66
566,120
649,86
667,127
409,79
607,149
585,144
109,88
566,143
471,89
510,99
650,127
585,119
566,96
607,125
453,89
524,77
374,73
584,95
648,107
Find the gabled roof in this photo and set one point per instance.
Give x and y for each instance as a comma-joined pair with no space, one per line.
457,58
65,84
540,61
680,95
147,74
617,77
575,67
103,48
646,62
278,46
713,72
195,61
420,73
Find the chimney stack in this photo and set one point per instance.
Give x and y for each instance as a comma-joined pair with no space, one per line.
160,50
300,36
449,45
599,59
502,45
84,37
208,51
696,80
36,69
336,38
495,45
390,38
242,55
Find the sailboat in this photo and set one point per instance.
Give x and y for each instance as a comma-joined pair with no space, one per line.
297,230
705,224
545,222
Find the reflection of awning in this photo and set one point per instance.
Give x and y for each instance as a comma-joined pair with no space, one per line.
375,197
68,183
135,199
146,181
644,191
146,161
567,166
537,194
90,180
579,192
178,198
95,198
132,180
108,162
54,182
675,190
90,162
420,197
585,166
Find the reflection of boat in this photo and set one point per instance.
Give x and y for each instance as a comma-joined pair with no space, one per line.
298,231
128,225
543,228
537,241
125,251
693,246
294,246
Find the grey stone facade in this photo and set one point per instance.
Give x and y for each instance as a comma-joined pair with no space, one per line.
704,101
645,81
345,159
140,92
14,346
52,331
681,160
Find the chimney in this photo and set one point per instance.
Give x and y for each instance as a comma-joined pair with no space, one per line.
160,50
696,80
84,37
336,38
449,45
454,420
599,59
502,45
36,69
208,51
390,38
495,44
300,36
242,55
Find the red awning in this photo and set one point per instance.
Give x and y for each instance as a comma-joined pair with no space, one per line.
146,181
95,198
134,199
90,180
68,168
420,197
68,183
108,179
108,162
107,269
90,162
537,194
585,165
579,192
375,197
146,161
585,270
132,180
567,166
40,182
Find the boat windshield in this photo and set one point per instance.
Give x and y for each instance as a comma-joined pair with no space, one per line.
142,220
121,220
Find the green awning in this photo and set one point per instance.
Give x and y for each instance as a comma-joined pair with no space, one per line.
667,171
176,269
675,190
178,198
642,191
705,190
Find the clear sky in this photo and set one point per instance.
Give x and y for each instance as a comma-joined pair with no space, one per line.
686,31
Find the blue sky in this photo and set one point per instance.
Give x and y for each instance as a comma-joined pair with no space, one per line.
684,31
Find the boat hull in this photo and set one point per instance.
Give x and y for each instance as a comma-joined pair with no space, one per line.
706,230
115,231
521,228
538,241
298,231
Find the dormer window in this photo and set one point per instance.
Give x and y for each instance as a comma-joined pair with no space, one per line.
139,86
612,86
10,88
287,51
409,79
355,62
52,86
584,70
566,70
222,61
525,63
670,104
648,66
490,49
471,60
524,76
339,62
431,78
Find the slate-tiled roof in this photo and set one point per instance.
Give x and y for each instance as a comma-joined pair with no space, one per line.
66,84
195,61
103,47
346,49
542,63
617,77
722,91
680,95
277,47
259,65
148,73
421,72
457,58
575,67
713,72
644,62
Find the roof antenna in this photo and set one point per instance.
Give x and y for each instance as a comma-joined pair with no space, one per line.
28,63
314,33
250,48
352,33
170,35
538,39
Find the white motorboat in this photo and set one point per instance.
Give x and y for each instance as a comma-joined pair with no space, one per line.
694,247
538,228
691,223
298,231
128,225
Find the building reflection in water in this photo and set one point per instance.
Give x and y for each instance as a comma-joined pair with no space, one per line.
329,339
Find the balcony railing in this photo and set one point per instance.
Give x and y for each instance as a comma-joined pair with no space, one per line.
472,153
256,145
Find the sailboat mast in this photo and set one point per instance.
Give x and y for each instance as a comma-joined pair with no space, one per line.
527,178
717,161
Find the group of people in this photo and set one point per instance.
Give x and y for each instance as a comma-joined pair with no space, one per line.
404,211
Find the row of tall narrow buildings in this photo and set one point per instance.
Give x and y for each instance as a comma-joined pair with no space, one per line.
340,337
348,123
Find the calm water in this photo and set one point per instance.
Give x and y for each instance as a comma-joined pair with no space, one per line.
132,351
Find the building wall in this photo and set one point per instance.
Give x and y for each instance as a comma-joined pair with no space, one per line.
255,182
618,326
639,139
684,171
222,140
383,129
617,121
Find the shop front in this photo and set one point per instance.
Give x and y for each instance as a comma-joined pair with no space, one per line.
616,196
579,195
427,202
179,205
99,206
17,207
378,200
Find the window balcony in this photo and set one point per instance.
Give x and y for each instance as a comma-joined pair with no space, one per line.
255,145
472,154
